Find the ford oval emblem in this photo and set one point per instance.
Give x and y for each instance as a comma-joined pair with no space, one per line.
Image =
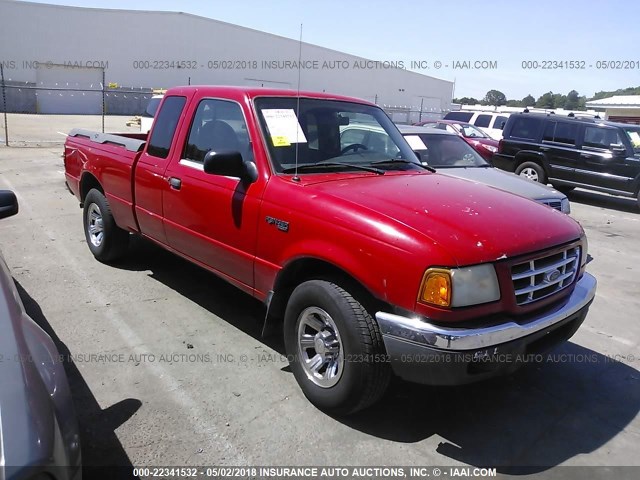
552,276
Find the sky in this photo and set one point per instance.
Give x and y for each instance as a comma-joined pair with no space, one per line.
514,36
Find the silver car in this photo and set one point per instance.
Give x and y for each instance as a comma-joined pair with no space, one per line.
39,437
450,155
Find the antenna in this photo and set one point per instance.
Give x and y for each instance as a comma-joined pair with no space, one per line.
296,178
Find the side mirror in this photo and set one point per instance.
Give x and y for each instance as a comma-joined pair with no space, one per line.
618,149
8,203
230,164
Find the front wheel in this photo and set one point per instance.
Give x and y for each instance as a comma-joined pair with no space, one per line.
532,171
335,348
106,240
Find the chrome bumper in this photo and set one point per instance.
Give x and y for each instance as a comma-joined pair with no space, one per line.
416,331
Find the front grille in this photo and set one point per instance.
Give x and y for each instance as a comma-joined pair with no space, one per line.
544,276
557,204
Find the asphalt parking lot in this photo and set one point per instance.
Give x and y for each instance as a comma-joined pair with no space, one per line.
168,367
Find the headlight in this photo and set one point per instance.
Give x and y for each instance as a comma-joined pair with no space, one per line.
566,206
491,148
460,287
585,252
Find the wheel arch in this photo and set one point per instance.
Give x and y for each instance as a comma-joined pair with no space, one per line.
535,157
312,268
88,182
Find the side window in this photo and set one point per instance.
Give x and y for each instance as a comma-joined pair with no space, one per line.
165,127
526,128
482,121
217,125
595,137
461,116
450,129
499,122
549,131
565,133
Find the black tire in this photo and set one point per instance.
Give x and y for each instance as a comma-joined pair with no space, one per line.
564,188
525,167
365,373
114,241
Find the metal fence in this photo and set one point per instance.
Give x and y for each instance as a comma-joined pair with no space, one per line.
36,114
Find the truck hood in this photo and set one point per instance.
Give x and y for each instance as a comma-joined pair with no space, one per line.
473,223
504,181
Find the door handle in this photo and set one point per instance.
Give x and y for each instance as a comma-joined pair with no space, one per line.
586,155
175,183
545,149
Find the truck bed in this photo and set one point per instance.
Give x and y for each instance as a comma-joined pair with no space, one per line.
112,158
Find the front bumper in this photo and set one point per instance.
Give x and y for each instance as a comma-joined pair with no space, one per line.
425,353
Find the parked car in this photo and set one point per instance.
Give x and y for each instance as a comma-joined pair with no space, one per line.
476,138
39,435
375,264
490,123
573,152
450,155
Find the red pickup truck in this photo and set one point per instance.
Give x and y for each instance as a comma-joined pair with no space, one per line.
375,264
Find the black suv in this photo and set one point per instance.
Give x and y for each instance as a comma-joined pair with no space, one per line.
571,152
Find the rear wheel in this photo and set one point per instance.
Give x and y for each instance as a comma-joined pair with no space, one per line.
335,348
532,171
106,240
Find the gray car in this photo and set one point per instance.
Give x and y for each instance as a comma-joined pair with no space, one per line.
39,437
450,155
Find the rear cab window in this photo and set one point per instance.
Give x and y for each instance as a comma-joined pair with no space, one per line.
165,126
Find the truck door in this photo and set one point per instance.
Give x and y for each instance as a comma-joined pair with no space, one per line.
212,219
149,183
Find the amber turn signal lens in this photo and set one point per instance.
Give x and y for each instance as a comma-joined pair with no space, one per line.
436,287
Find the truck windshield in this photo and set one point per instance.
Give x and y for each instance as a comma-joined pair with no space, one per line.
331,133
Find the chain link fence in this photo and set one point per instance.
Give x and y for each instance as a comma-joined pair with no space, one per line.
39,114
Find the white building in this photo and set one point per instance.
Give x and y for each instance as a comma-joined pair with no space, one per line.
44,48
619,108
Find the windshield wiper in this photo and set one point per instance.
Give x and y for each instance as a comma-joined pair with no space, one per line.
311,166
399,160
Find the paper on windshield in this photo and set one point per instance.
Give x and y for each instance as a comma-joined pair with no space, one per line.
283,126
415,142
635,139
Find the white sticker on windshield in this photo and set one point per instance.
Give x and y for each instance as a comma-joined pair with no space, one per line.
635,139
415,142
283,126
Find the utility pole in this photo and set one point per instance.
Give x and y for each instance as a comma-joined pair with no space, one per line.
4,106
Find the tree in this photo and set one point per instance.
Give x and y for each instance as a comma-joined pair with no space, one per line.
545,101
466,101
495,97
559,100
572,101
528,101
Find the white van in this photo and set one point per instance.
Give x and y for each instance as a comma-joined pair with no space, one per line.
490,123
